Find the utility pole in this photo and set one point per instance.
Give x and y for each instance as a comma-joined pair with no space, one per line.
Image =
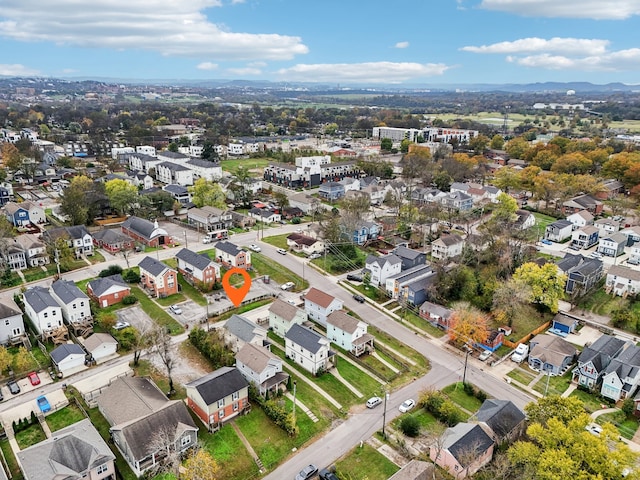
384,413
58,261
466,359
186,243
546,389
294,400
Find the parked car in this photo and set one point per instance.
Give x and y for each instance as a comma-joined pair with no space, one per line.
484,355
282,251
43,404
175,309
13,386
307,472
354,278
255,247
594,428
520,353
374,402
546,242
595,255
407,405
315,255
327,475
121,324
287,286
206,240
34,378
358,298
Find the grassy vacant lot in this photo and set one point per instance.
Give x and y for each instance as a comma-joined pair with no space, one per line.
422,364
525,321
171,299
457,395
64,417
522,375
156,312
600,303
365,463
420,323
253,164
229,451
279,241
279,274
557,384
590,401
366,384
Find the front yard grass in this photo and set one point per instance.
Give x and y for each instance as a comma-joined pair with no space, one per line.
364,382
192,292
521,375
457,395
64,417
422,364
627,426
557,384
156,312
279,241
590,401
279,274
421,323
600,303
33,274
381,370
171,299
229,452
30,436
365,463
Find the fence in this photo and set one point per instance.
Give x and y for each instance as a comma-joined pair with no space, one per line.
527,337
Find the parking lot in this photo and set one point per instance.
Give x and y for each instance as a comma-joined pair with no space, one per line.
136,317
191,312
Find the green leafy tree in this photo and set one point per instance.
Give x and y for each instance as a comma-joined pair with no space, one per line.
564,409
60,251
497,142
122,195
209,193
22,360
5,359
505,210
74,200
11,156
546,283
386,144
200,466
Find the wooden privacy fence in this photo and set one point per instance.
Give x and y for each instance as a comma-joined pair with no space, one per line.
528,336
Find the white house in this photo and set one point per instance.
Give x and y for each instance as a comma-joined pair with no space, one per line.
558,231
622,375
42,309
607,226
101,347
349,333
205,169
612,245
146,150
283,315
265,215
525,219
319,305
68,358
11,322
35,251
73,301
447,246
261,367
308,349
623,281
580,219
174,173
381,268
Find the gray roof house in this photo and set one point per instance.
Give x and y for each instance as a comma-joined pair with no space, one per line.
42,309
381,268
68,358
282,315
466,448
505,419
550,354
75,452
260,366
410,257
595,358
308,349
11,322
73,301
622,375
142,419
239,330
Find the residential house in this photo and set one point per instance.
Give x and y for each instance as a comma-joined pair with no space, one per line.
622,281
282,315
375,193
77,237
112,240
584,238
73,301
436,314
366,231
563,324
231,255
305,202
35,251
211,171
350,184
447,246
612,245
198,269
505,420
262,368
632,233
107,291
550,354
331,191
148,233
609,189
23,214
319,305
308,349
493,341
101,347
524,220
68,358
425,196
238,331
595,358
140,162
145,425
607,226
580,219
14,256
299,242
11,322
410,258
415,292
179,193
395,284
492,193
211,220
5,196
158,278
582,273
622,376
265,215
174,173
42,309
415,470
74,452
219,396
456,201
289,213
558,231
465,449
349,333
583,202
381,268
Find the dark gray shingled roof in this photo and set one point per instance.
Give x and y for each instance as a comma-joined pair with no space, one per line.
464,440
109,235
101,285
175,189
219,384
229,248
198,260
170,154
173,166
67,291
63,351
198,162
307,339
501,415
39,298
242,328
153,266
139,225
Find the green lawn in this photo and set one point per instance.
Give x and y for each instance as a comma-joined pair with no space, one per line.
590,401
557,384
279,274
422,364
602,304
627,426
30,436
364,382
256,165
64,417
456,394
156,312
420,323
192,292
365,463
33,274
521,375
324,410
97,257
279,241
380,369
12,462
171,299
229,451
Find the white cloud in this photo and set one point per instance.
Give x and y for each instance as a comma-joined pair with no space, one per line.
372,72
566,46
17,70
594,9
244,71
402,45
170,27
207,66
612,62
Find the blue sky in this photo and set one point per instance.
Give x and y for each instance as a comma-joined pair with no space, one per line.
413,42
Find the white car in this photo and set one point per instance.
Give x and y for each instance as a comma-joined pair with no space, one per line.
287,286
255,247
282,251
374,402
594,428
175,309
120,325
484,355
520,353
407,405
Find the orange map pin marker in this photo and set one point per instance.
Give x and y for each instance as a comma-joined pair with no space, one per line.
236,295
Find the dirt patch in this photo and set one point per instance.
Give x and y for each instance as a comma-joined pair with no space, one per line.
189,364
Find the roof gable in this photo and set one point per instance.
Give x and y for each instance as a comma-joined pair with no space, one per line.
219,384
319,297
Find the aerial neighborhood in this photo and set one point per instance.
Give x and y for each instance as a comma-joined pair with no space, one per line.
461,298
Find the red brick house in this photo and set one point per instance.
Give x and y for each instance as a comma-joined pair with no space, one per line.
198,268
231,255
218,396
112,241
158,278
108,291
436,314
145,232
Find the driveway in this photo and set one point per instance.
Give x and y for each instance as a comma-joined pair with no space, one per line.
192,313
136,317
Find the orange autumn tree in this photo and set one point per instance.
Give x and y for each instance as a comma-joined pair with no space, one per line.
468,325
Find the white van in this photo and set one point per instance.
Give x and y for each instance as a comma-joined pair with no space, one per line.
374,402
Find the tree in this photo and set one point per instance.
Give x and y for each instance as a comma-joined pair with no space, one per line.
173,147
209,151
386,144
508,297
507,179
122,195
574,163
505,210
468,325
5,359
281,199
497,142
206,192
564,409
61,252
22,360
159,342
11,157
74,200
517,147
240,185
546,283
200,466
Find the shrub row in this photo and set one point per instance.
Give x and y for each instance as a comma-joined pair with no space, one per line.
442,408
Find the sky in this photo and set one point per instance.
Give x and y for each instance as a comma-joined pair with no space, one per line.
341,43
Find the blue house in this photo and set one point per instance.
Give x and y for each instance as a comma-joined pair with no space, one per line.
22,214
366,231
4,196
563,325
